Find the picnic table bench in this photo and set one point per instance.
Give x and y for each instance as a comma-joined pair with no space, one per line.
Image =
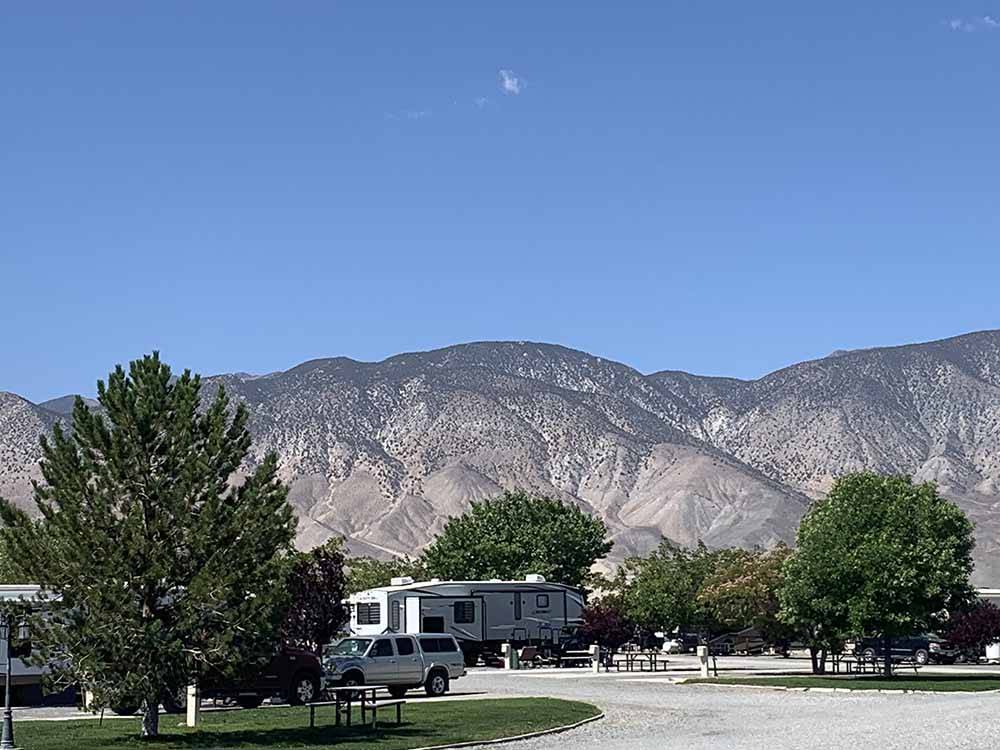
575,657
860,664
344,705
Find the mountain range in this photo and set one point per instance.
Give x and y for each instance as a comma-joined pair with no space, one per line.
383,453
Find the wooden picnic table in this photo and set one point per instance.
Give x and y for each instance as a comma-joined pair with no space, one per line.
345,704
652,659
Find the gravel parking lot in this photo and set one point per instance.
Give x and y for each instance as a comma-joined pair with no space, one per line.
647,712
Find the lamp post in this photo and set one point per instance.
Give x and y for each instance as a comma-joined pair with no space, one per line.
7,738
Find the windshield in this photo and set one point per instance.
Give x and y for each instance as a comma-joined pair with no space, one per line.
349,647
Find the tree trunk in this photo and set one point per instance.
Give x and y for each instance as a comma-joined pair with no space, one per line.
887,656
150,718
818,657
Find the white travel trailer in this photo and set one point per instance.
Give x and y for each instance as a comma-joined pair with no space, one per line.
480,614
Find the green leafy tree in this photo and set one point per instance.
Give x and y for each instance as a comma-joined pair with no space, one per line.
316,590
879,555
165,567
368,573
742,592
661,590
516,534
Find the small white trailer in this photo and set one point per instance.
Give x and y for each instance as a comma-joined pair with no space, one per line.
482,615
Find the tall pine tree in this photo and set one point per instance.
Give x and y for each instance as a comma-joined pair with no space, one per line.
166,566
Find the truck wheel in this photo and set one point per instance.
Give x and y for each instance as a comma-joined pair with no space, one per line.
437,684
304,689
397,691
353,679
249,701
175,703
868,653
920,656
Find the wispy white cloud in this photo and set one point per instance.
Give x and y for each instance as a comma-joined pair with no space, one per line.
510,83
481,101
976,23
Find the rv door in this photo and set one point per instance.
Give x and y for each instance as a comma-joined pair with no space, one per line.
412,624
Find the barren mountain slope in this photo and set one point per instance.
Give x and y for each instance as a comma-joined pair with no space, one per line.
384,452
928,410
21,425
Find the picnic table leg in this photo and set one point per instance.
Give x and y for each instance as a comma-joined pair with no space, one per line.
399,713
350,699
336,701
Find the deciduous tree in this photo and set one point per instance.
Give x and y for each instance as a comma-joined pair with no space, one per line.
660,591
743,589
975,628
878,555
316,590
516,534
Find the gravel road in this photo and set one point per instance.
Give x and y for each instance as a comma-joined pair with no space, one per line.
651,713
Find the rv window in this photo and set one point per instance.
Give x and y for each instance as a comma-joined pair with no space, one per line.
369,614
394,616
465,613
382,647
433,625
542,601
517,605
404,646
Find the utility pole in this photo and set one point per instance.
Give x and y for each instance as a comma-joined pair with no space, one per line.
7,738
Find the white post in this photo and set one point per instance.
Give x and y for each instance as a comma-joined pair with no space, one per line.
193,706
703,660
595,658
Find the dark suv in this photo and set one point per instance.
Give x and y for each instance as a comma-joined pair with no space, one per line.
295,675
919,649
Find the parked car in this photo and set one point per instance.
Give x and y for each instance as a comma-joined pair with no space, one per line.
402,662
294,675
919,649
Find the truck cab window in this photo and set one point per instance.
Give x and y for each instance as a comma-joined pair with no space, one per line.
382,647
404,646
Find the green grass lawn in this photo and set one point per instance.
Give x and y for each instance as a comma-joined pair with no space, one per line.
276,728
941,683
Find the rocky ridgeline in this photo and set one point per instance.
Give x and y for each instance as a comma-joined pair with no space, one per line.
384,452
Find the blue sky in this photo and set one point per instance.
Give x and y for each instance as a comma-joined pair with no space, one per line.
723,188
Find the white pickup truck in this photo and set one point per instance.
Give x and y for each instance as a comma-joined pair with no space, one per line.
401,662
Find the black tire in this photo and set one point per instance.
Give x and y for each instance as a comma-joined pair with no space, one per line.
125,709
303,689
176,703
920,656
353,679
397,691
249,701
437,684
868,653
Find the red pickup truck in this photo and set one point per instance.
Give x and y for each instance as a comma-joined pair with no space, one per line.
294,675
